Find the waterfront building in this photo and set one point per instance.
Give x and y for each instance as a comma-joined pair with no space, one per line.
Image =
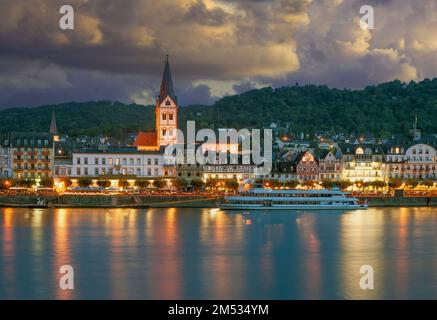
362,162
5,156
306,167
412,159
329,165
282,171
32,155
118,161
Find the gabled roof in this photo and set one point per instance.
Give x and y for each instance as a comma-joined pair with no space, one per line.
167,89
146,139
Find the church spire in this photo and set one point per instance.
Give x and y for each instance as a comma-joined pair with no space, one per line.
53,126
166,84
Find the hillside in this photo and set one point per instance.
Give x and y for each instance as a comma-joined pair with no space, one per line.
382,110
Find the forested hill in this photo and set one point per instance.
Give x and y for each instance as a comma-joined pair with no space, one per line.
382,110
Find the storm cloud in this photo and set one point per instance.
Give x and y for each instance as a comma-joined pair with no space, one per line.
216,47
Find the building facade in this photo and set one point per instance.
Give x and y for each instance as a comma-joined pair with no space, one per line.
362,163
307,167
32,155
330,166
416,160
118,161
5,156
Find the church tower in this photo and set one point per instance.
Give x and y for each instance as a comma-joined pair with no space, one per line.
166,109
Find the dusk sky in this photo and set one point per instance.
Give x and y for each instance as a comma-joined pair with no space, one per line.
216,47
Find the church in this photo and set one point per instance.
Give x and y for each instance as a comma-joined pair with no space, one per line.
144,158
166,117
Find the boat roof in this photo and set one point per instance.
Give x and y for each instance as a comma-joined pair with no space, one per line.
295,191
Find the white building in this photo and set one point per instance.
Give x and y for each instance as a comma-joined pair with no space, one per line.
114,161
416,161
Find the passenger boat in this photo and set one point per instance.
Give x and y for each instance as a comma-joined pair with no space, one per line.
269,199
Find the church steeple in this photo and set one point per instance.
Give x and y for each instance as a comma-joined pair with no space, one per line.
53,126
166,109
167,89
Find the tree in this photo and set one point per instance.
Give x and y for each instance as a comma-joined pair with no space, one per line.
104,183
344,184
328,184
25,183
84,182
142,184
291,184
46,183
231,185
197,184
159,183
395,183
123,184
181,184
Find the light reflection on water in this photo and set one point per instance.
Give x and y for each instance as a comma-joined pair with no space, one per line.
210,254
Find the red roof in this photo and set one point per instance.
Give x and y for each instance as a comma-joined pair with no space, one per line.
146,139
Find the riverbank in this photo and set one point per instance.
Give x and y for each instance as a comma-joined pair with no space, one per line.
105,201
163,201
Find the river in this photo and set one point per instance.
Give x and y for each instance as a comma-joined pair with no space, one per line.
209,254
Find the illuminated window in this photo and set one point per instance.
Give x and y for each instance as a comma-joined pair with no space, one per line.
359,151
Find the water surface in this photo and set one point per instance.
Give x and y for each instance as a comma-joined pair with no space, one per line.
209,254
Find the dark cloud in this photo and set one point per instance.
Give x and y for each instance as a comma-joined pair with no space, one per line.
217,47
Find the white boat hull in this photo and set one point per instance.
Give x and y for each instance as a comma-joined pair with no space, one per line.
290,207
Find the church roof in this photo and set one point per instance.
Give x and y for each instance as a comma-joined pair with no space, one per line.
167,89
146,139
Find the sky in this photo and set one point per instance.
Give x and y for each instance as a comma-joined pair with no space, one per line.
216,47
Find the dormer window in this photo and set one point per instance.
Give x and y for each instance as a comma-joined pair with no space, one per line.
168,102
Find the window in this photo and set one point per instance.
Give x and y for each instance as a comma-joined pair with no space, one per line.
164,132
85,160
96,161
149,161
86,171
170,116
78,160
104,161
78,171
111,161
156,162
117,161
96,171
164,116
167,102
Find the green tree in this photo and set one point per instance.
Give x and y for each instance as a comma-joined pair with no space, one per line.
104,183
142,184
231,185
180,183
46,183
84,182
197,184
159,183
123,184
